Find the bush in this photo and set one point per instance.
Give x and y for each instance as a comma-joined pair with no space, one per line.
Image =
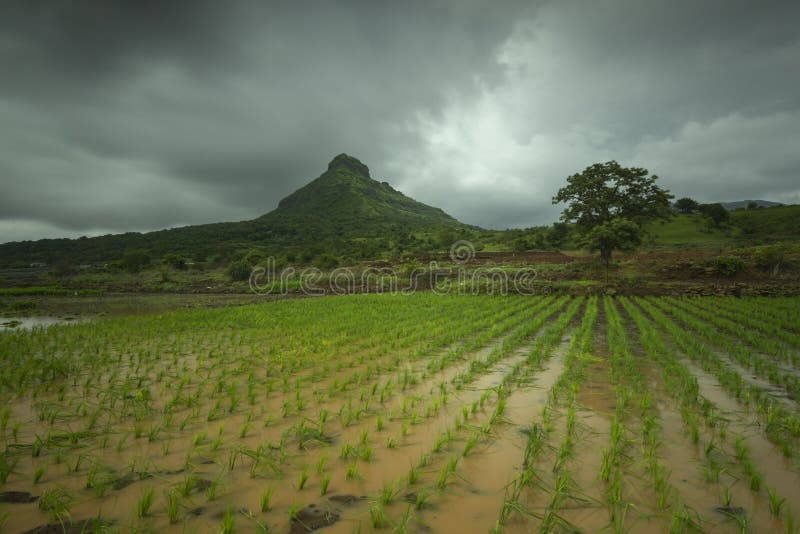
326,261
716,214
175,261
239,270
686,205
769,257
134,260
727,265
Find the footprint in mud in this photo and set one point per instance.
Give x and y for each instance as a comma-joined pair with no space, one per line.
346,499
311,518
17,497
731,511
76,527
128,479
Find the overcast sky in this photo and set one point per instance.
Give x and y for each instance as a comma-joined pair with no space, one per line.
131,116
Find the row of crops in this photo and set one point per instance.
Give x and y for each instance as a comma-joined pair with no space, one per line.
409,413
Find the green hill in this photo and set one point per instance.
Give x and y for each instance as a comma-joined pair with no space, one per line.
347,200
745,227
768,224
344,211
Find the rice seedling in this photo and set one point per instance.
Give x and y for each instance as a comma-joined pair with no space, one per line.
378,516
352,472
228,526
265,499
776,502
173,507
56,502
212,490
145,502
472,441
324,483
321,463
387,493
301,483
294,509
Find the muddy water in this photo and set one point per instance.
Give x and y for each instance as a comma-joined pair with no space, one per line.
163,464
779,472
481,481
777,392
473,504
386,466
10,324
596,407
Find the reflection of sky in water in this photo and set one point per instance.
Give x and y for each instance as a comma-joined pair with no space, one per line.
18,323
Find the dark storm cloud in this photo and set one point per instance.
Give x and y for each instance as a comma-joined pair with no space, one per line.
166,108
120,116
701,93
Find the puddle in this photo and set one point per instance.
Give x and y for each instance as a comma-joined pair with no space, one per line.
29,323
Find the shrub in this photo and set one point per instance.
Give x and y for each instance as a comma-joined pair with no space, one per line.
134,260
716,213
326,261
727,265
769,257
239,270
175,261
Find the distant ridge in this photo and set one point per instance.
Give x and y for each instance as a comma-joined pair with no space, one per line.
742,204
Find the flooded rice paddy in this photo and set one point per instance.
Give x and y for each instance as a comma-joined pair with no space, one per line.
418,413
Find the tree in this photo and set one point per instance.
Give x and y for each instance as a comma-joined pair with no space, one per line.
686,205
175,261
557,235
716,213
134,260
620,234
609,205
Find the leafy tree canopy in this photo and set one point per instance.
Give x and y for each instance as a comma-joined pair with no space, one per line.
716,213
616,234
607,198
686,205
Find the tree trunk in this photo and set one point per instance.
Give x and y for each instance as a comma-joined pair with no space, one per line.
605,255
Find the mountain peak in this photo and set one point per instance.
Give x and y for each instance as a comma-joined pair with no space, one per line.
349,163
346,197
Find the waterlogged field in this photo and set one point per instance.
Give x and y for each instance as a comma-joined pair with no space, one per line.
418,413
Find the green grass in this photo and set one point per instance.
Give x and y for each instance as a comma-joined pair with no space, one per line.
688,229
777,223
745,227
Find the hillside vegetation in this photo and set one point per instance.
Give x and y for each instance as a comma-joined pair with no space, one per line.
745,227
344,211
345,215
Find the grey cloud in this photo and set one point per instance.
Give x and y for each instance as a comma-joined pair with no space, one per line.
142,115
